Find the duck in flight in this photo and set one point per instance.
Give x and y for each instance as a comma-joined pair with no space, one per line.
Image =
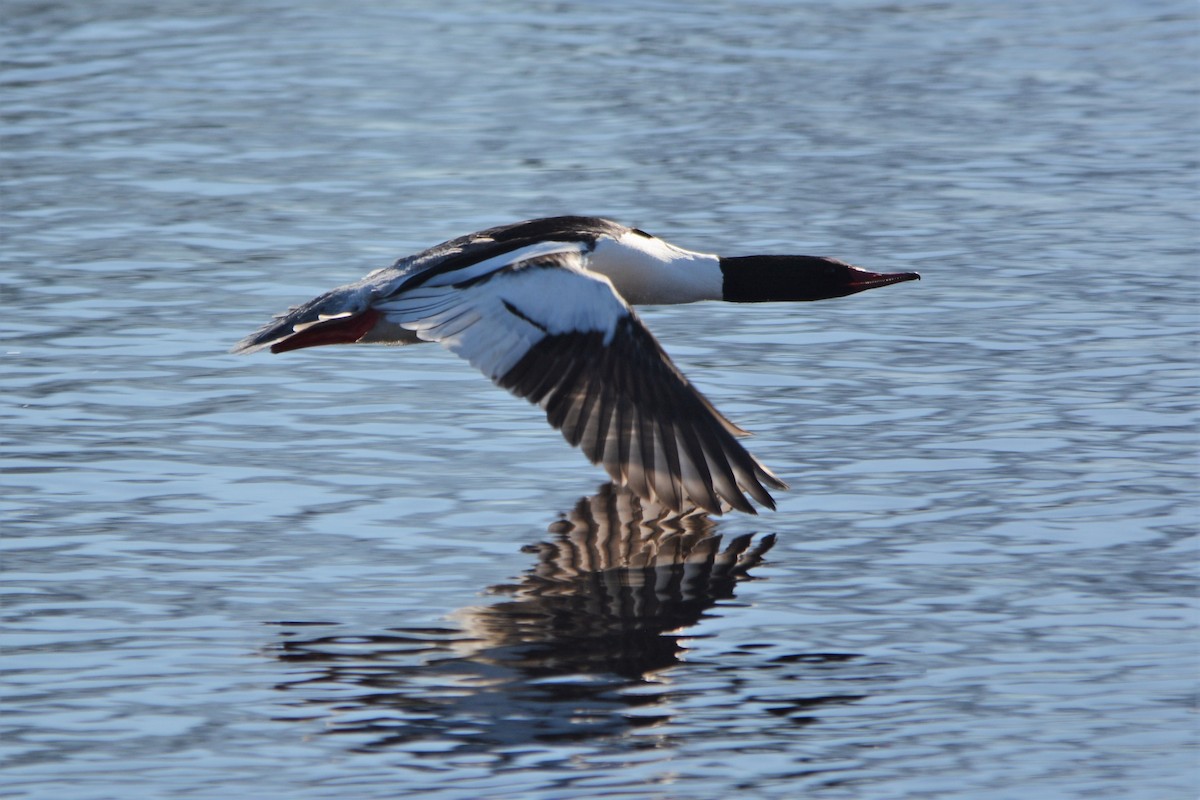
543,308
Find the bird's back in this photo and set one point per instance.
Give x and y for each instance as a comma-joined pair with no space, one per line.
443,259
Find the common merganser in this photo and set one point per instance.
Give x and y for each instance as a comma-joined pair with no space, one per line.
542,307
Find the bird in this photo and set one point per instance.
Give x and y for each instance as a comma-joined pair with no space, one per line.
544,308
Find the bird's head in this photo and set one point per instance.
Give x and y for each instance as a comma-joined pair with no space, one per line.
759,279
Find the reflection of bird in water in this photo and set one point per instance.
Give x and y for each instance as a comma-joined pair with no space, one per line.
543,308
618,574
568,657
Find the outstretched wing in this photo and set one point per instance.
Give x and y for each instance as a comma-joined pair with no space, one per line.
547,330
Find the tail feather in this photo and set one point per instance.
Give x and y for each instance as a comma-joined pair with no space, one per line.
328,319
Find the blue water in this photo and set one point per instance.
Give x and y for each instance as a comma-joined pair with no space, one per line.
364,572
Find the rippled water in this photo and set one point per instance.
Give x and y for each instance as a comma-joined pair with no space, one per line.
360,572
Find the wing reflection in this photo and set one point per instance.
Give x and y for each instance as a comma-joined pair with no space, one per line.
571,655
618,575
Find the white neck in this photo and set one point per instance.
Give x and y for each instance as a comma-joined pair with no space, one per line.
647,271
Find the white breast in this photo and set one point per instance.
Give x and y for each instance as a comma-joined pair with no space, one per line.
646,270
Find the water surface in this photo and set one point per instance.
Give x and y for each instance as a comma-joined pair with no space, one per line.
364,572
